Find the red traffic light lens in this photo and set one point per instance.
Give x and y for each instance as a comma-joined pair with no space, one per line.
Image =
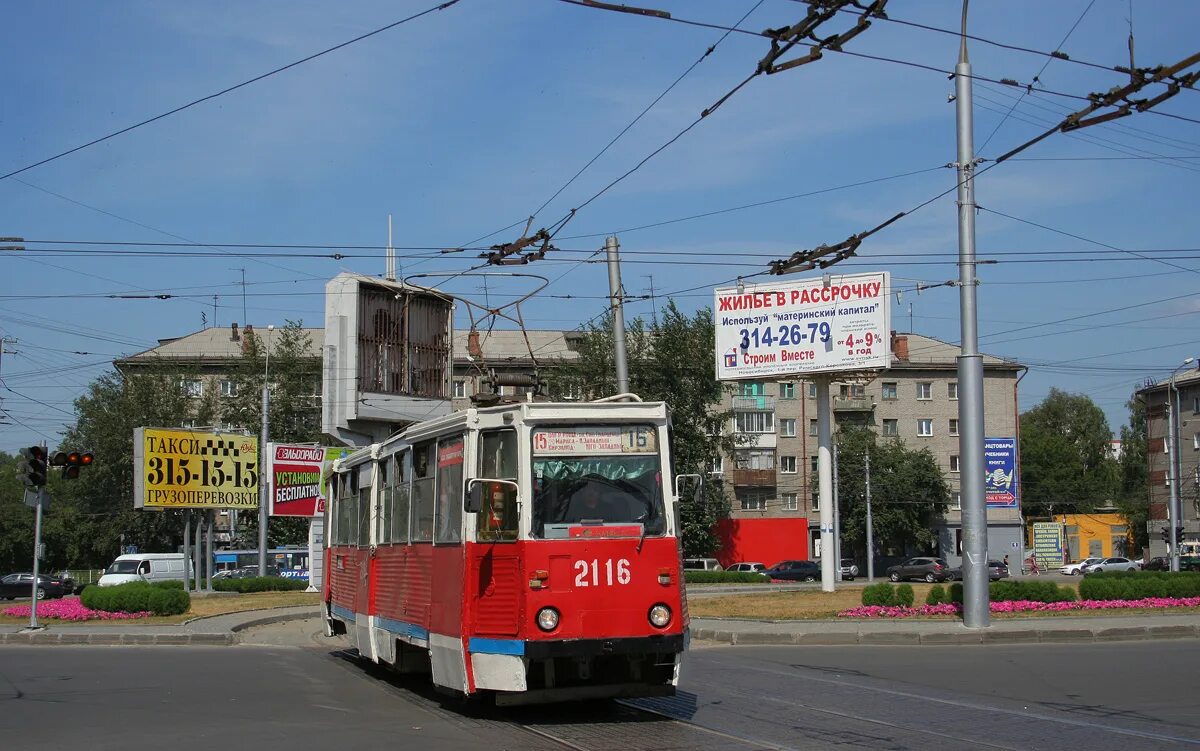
71,472
85,459
73,457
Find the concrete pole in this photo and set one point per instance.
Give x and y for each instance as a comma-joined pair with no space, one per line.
198,550
264,461
1173,473
187,549
970,363
618,309
40,497
870,525
825,484
208,558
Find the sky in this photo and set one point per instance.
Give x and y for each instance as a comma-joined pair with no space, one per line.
466,120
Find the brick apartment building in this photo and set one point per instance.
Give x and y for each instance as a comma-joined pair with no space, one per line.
1158,449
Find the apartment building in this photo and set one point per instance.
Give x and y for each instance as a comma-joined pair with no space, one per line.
1159,447
769,482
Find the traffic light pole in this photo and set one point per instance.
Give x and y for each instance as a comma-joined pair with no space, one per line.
37,549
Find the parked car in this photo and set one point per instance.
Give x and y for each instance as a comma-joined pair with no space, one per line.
929,569
21,585
1111,564
849,569
1075,569
996,571
748,567
701,564
808,571
1157,563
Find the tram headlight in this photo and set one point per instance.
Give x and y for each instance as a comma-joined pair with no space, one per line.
547,619
660,615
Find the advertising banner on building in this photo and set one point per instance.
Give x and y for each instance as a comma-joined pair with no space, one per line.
175,468
298,485
1000,472
804,326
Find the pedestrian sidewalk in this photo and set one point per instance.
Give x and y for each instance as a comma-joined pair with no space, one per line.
1050,629
217,630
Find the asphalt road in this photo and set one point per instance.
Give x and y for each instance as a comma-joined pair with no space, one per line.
293,688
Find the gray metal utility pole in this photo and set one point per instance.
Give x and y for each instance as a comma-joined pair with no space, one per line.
618,308
1172,476
970,365
39,496
837,517
825,483
263,463
870,525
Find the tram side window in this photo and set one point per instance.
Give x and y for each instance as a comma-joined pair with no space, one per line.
422,492
402,471
497,519
364,505
347,509
383,516
450,489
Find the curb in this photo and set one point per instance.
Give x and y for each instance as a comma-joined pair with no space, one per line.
267,620
119,639
943,638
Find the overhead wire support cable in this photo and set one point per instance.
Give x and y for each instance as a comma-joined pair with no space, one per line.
235,87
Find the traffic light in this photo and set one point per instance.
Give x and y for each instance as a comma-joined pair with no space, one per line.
1178,534
1166,534
32,468
71,461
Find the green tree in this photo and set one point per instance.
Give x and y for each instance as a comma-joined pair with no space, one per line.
908,491
293,412
669,361
16,519
1134,497
1065,462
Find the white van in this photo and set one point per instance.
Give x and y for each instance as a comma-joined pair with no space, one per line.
147,567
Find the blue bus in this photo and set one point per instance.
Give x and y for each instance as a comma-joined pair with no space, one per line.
290,561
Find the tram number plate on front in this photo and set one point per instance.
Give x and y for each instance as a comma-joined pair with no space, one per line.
596,573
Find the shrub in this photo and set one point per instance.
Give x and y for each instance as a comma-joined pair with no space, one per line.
904,595
137,597
279,584
881,594
1031,591
169,584
936,596
1135,585
955,594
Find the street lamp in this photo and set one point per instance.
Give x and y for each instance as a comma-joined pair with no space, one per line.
263,463
1174,466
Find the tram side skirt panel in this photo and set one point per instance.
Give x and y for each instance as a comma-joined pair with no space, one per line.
445,618
497,655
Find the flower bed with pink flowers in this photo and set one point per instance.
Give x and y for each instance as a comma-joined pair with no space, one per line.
71,609
1024,606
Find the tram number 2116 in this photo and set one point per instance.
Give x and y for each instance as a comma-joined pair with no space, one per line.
595,573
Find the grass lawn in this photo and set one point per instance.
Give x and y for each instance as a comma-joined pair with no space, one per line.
201,606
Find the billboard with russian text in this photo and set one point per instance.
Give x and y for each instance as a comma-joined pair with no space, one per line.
177,468
297,478
804,326
1000,472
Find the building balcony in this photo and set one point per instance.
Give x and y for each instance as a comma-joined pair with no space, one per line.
853,404
758,478
754,403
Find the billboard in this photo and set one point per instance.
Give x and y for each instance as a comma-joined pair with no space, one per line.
176,468
805,326
297,481
1048,544
1000,472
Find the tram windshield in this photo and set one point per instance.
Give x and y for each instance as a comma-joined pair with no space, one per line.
596,475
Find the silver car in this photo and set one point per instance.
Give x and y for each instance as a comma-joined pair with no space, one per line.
1111,564
1075,569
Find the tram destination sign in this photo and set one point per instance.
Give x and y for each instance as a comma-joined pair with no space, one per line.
595,440
805,326
194,469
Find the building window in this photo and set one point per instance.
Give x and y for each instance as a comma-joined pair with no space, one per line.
189,424
790,502
753,500
924,390
787,465
754,459
889,391
812,390
815,501
953,426
460,388
956,501
925,427
852,391
1196,405
787,391
812,464
787,427
718,465
1196,441
952,390
193,387
812,427
229,388
754,422
891,427
752,388
954,463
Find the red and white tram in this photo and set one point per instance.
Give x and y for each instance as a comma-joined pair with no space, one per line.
530,550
